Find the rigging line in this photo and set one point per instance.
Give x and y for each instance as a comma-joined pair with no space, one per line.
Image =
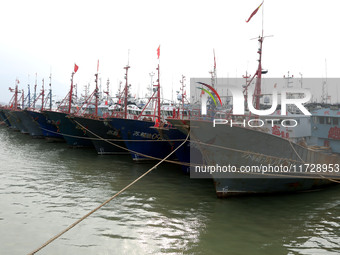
291,145
107,201
5,120
135,152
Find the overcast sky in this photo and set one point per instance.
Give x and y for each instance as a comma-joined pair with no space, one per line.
39,36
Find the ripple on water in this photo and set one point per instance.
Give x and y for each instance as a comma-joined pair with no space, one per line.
46,187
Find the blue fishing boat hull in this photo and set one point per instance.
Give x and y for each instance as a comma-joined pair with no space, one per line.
187,153
49,131
141,137
10,119
30,125
102,128
4,118
73,135
13,116
175,138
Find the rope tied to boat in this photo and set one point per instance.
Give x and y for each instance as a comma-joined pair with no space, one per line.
135,152
330,179
246,154
108,200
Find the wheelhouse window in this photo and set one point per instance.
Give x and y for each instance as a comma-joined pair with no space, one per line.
336,121
322,120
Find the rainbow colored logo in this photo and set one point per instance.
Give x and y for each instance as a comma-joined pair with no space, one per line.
204,99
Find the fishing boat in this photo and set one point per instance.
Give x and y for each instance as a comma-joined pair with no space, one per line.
10,119
105,139
73,135
11,112
244,148
239,157
4,118
47,129
175,136
142,135
26,119
325,128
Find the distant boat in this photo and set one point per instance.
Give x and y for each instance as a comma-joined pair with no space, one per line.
10,119
325,128
29,124
141,134
11,112
4,118
73,135
142,139
102,135
49,131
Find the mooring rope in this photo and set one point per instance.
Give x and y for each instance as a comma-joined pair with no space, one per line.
124,148
189,164
107,201
330,179
132,151
5,120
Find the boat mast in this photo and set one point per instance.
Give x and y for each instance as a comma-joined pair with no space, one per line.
16,96
96,91
245,91
50,91
35,90
257,92
213,73
182,89
126,90
70,95
158,86
22,99
29,92
42,95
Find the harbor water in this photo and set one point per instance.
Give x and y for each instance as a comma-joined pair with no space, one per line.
45,187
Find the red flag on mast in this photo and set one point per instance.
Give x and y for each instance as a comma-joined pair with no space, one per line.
75,68
254,12
158,51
